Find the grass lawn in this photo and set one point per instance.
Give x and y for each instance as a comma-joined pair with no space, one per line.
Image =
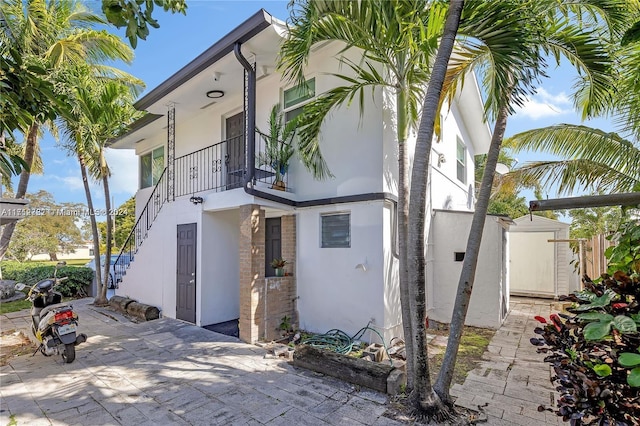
472,345
15,306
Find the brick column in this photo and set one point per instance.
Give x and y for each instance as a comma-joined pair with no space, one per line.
288,235
252,234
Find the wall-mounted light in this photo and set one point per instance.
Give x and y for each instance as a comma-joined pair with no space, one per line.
196,200
215,94
441,159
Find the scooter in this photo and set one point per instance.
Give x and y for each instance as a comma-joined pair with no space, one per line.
53,323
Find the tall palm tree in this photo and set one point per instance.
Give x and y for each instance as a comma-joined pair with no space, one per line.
101,111
397,41
591,159
53,35
546,28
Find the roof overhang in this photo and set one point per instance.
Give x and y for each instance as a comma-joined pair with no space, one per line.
187,88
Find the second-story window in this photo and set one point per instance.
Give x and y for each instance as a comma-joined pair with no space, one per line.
151,167
295,98
461,161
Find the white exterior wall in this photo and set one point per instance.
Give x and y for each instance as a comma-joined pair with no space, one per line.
219,267
566,276
332,292
489,298
151,277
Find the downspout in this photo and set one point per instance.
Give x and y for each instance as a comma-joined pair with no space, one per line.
250,156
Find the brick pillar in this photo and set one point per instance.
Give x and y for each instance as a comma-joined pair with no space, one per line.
252,234
288,235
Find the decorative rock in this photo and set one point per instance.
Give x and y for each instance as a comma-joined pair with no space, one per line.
7,289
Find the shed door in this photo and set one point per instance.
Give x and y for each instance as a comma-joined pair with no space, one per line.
186,273
532,268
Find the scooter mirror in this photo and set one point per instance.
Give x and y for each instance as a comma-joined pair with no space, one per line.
20,286
61,263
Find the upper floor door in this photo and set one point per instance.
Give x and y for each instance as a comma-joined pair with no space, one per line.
235,159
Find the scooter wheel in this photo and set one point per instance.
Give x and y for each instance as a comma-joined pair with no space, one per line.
69,353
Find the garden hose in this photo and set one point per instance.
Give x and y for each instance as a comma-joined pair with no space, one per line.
338,341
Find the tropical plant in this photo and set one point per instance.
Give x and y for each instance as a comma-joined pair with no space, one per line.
48,37
278,263
624,255
594,352
534,30
589,158
102,109
395,41
278,144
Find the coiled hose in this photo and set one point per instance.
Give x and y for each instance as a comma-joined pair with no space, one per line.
338,341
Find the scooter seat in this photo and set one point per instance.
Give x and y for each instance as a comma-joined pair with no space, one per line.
50,308
45,285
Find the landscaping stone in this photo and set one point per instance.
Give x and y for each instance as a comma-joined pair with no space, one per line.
7,289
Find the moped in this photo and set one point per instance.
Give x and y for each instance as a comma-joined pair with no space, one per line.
53,323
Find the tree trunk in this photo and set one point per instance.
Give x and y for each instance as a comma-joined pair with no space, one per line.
403,235
467,275
108,243
29,152
429,403
100,299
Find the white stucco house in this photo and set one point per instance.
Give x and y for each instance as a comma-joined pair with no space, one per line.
209,226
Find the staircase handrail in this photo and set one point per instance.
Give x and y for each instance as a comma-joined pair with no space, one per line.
130,241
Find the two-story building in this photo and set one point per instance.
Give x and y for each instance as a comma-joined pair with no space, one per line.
210,220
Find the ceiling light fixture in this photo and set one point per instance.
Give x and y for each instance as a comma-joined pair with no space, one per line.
215,94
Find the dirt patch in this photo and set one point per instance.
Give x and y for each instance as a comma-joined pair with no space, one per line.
12,344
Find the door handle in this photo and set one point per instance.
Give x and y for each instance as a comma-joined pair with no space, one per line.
192,281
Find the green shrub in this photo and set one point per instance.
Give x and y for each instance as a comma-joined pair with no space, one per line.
31,273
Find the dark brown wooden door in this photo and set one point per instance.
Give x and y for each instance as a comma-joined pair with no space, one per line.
273,244
186,273
235,150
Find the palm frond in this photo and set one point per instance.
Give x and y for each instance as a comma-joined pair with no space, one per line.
569,176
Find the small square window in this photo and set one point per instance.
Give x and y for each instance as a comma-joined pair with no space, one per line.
151,167
336,230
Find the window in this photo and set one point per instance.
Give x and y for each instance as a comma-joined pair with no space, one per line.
151,167
461,161
336,230
298,95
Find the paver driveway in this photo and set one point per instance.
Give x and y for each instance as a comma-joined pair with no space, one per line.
168,372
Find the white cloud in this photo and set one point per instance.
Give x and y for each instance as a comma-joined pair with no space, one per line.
72,183
544,104
124,171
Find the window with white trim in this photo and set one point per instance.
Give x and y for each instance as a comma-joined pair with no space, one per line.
296,97
151,167
461,161
335,230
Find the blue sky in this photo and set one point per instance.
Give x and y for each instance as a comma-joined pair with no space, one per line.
181,38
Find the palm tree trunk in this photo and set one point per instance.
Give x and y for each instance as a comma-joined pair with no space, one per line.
467,276
100,299
107,261
29,151
403,235
429,402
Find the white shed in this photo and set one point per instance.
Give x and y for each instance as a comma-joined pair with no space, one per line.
445,254
540,266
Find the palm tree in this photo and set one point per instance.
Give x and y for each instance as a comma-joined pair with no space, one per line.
397,41
102,109
52,35
591,159
511,70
